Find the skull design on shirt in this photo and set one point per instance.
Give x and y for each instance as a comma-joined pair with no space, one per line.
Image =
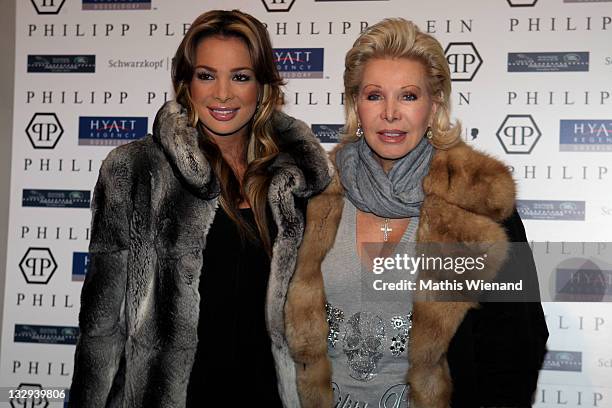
363,343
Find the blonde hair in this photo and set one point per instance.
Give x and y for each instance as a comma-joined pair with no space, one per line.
399,38
262,147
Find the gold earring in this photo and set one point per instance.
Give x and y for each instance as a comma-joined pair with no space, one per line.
429,133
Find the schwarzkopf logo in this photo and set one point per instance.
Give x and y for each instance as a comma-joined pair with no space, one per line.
32,402
278,5
463,59
31,333
522,3
299,62
551,210
141,63
563,361
80,265
44,130
111,130
585,135
577,61
327,133
38,265
116,5
61,63
48,6
518,134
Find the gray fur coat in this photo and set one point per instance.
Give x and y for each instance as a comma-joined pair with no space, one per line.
153,205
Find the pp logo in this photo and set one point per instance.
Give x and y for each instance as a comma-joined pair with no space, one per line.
31,402
44,130
278,5
38,265
522,3
463,59
518,134
48,6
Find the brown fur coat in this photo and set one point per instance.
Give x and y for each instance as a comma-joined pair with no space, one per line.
468,195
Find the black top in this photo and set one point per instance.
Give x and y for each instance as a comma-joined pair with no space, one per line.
234,357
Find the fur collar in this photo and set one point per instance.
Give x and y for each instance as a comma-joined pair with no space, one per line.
467,195
180,142
471,180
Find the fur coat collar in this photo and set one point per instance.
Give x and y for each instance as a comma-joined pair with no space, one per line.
299,149
467,195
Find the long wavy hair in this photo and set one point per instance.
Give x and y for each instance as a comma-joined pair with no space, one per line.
399,38
262,146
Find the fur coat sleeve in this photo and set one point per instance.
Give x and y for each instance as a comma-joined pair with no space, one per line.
101,319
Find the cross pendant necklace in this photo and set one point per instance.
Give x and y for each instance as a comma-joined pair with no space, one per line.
386,230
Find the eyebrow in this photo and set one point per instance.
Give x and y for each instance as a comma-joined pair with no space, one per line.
232,70
378,86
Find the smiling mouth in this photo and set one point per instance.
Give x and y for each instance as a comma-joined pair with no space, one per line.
392,133
392,136
223,114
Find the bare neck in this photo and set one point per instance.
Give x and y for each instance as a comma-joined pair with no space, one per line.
232,149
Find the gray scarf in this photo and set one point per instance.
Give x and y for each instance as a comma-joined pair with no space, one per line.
397,194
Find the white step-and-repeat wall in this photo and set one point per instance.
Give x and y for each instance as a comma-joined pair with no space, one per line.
532,86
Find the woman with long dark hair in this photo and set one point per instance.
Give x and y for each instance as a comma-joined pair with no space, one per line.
194,243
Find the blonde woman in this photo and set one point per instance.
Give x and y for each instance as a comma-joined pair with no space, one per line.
404,175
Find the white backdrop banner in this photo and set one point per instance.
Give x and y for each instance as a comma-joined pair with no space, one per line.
532,85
